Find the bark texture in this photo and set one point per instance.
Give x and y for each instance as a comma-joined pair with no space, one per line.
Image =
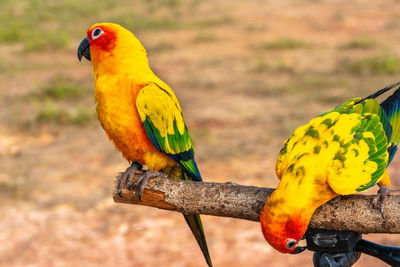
353,213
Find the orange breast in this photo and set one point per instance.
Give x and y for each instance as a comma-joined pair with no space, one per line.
116,110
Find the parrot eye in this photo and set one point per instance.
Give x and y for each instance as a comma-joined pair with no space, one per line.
290,243
96,33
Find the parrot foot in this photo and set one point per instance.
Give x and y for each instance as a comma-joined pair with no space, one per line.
143,180
123,177
380,200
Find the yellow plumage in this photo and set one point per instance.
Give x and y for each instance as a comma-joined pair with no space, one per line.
319,156
139,112
116,98
341,152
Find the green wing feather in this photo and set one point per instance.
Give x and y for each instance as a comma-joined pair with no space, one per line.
350,141
374,130
162,118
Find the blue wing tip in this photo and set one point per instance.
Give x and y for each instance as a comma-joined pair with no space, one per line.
187,161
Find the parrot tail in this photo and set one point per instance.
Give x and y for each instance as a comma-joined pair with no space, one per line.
196,226
193,220
391,106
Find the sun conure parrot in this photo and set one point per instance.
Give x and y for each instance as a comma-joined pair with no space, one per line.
139,112
343,151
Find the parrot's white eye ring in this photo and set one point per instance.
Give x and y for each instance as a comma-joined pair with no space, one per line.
96,33
290,243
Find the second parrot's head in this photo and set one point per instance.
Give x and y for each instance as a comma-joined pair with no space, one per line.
288,211
111,48
283,230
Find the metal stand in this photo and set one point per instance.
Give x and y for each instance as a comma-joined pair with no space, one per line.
344,248
322,259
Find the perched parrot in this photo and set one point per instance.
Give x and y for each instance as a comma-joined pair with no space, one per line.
139,112
343,151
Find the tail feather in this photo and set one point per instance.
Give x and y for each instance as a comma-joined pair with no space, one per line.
196,226
391,106
193,220
378,93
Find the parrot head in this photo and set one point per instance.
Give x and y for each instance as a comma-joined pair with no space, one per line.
283,232
288,211
111,48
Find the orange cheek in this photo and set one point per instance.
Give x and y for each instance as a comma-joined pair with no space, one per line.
273,231
276,231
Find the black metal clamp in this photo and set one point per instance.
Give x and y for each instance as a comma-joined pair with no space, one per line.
343,248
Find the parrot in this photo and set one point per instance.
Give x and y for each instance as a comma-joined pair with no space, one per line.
140,113
341,152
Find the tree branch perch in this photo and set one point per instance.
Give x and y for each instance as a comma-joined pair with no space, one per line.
353,213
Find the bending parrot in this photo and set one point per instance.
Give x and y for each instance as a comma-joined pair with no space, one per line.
139,112
343,151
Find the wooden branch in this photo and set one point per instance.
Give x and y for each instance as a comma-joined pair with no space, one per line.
353,213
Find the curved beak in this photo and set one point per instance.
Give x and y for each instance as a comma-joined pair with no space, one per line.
300,247
84,49
298,250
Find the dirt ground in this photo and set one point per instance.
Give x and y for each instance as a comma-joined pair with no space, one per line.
246,74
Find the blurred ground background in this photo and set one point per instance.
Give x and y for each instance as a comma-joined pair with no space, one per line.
247,74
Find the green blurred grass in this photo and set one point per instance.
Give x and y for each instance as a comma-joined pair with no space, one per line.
162,46
41,25
265,67
384,65
360,44
204,37
50,113
61,88
138,22
284,44
60,101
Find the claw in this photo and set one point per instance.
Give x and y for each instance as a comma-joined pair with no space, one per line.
125,176
120,183
143,180
380,200
130,180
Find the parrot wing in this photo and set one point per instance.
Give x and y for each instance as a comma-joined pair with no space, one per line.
163,121
362,157
351,141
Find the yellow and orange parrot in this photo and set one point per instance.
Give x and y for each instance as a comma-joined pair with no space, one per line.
343,151
139,112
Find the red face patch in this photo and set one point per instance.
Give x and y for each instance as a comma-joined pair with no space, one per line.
295,227
278,233
102,37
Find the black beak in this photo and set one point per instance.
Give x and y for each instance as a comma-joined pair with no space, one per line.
300,247
298,250
84,49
